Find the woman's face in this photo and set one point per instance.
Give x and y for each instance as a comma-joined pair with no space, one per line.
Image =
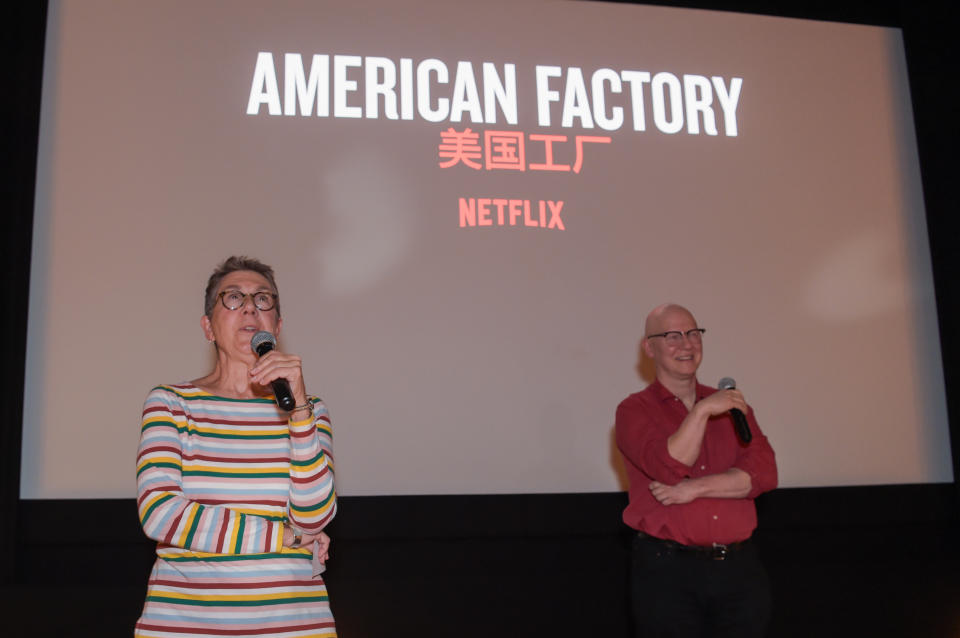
233,329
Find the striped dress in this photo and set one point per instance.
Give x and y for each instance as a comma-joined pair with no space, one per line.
217,481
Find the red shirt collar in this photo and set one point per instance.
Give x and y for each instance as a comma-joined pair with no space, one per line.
660,391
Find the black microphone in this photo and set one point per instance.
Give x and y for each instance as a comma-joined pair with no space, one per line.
262,343
739,418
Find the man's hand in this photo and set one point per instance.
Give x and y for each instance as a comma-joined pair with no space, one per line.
721,402
734,483
684,444
683,492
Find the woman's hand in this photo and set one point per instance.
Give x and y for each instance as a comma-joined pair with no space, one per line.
307,540
322,551
280,365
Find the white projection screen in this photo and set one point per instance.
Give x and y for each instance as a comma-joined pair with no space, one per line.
470,208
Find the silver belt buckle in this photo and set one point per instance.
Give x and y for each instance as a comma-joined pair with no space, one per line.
719,551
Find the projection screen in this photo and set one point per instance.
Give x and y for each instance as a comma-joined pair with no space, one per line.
470,208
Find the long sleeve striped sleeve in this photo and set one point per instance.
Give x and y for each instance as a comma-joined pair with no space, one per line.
313,501
189,457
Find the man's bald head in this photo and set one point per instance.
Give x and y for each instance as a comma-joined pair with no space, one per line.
676,361
660,316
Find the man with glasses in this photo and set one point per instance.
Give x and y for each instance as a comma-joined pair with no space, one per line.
692,485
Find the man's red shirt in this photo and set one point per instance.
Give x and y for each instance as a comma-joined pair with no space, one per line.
644,422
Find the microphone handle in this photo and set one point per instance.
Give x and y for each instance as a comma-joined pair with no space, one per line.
281,387
740,422
281,390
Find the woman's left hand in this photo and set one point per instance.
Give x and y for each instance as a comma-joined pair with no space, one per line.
307,540
280,365
322,552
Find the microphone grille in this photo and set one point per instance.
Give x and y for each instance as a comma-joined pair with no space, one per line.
727,383
261,338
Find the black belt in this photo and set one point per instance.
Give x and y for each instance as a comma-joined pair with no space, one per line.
717,551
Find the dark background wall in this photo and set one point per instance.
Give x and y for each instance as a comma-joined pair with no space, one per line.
879,560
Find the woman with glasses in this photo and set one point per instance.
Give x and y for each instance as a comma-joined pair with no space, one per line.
235,490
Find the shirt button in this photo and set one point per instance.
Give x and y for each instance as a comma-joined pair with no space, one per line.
714,517
703,467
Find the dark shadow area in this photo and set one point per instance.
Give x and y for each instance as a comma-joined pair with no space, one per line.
864,561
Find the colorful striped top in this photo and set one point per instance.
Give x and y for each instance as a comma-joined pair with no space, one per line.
217,480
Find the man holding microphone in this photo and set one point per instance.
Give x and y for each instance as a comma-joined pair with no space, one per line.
694,473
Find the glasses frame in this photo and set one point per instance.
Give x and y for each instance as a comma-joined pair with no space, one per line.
688,335
251,295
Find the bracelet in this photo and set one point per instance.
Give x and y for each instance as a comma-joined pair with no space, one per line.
308,404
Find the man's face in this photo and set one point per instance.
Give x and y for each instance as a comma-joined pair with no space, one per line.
678,362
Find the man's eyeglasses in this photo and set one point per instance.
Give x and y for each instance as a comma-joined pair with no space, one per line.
674,338
233,299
